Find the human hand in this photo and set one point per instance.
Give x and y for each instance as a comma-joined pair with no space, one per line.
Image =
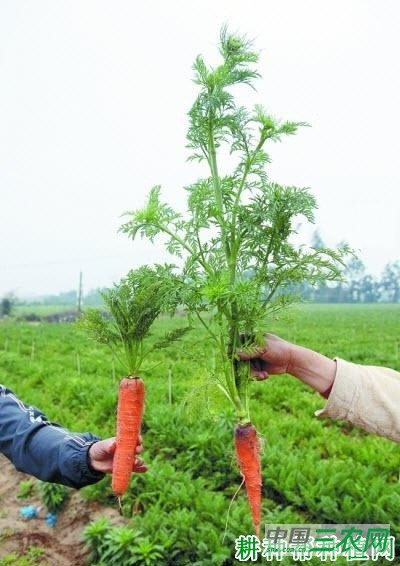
101,456
279,356
272,359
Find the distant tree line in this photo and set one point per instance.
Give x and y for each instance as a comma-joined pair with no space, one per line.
69,299
6,306
358,285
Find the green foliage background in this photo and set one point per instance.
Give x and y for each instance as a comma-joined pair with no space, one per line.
313,470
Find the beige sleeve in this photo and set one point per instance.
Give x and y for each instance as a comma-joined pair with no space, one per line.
366,396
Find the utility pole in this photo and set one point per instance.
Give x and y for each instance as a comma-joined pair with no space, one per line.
80,294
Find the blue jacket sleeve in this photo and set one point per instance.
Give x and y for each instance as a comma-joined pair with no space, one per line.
42,448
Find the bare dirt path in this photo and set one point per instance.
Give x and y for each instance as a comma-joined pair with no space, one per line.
63,544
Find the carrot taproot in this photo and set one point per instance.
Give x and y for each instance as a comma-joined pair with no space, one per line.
129,418
248,456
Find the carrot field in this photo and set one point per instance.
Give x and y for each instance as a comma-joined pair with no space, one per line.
180,511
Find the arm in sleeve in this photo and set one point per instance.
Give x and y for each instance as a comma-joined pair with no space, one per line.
41,448
366,396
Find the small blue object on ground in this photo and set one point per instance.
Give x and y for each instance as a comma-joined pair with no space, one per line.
29,512
51,519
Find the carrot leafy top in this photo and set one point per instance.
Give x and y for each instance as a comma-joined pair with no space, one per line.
132,306
241,264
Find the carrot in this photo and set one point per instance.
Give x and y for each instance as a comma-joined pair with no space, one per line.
248,456
129,419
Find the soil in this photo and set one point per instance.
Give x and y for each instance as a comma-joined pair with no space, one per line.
63,544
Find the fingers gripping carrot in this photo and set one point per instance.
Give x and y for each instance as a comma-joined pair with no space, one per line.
129,419
248,455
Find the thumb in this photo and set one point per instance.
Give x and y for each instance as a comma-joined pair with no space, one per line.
107,446
112,446
244,356
248,355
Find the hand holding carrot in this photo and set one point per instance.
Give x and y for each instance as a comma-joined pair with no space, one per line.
101,456
271,359
279,356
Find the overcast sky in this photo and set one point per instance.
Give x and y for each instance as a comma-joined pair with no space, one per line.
93,103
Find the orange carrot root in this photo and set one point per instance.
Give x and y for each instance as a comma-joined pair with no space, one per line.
129,419
248,456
